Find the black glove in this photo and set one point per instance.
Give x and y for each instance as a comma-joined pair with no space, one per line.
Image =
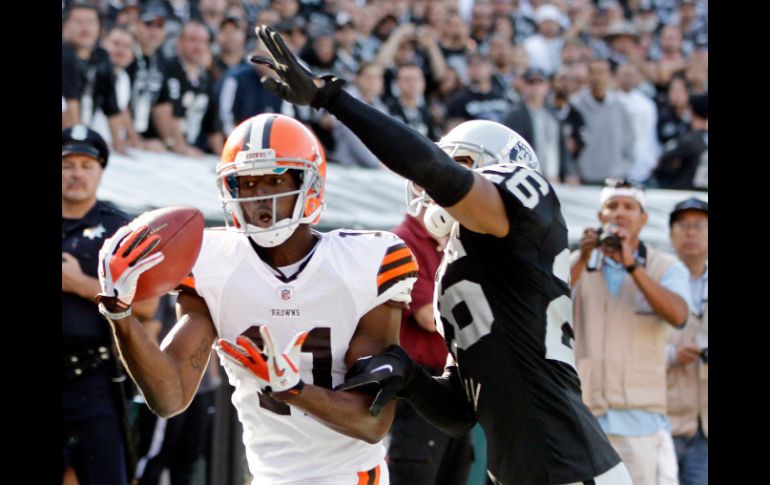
381,375
296,85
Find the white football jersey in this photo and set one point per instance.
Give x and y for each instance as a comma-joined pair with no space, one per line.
349,273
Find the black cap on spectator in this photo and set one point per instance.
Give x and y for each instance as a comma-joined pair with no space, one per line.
232,19
85,141
291,24
692,203
534,73
699,103
153,11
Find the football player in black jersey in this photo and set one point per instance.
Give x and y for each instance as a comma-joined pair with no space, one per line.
502,293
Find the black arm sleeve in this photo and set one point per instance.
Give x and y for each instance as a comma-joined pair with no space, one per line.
441,400
403,150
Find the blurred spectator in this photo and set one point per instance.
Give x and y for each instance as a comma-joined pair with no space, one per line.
644,118
178,13
684,166
579,72
287,9
622,40
438,99
293,31
80,32
668,56
687,374
71,86
419,453
119,44
121,13
609,136
455,43
504,69
673,112
242,96
212,14
93,404
627,295
348,50
190,124
175,444
348,148
544,48
573,51
597,29
697,76
539,126
231,47
694,26
409,106
409,44
481,24
480,99
148,74
571,120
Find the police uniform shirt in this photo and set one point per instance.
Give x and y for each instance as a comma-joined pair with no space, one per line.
82,324
505,311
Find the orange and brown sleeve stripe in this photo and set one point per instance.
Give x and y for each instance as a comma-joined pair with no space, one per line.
398,264
370,477
188,283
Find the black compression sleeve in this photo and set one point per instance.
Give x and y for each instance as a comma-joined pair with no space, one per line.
403,150
441,401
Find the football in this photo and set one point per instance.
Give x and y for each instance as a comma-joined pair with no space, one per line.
181,234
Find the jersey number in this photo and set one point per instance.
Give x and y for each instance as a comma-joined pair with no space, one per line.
318,343
466,308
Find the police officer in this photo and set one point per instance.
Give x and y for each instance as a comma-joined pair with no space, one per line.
94,436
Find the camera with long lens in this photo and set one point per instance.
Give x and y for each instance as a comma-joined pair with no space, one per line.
607,239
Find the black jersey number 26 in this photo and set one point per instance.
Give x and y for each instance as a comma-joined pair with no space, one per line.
318,343
467,308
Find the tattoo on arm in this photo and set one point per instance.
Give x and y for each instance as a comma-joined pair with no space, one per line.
200,356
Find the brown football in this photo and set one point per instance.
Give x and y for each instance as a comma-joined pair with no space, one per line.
181,234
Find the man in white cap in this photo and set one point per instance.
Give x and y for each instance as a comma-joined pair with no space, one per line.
544,48
626,295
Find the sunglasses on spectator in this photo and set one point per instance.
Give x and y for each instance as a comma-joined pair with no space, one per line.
157,23
622,184
697,226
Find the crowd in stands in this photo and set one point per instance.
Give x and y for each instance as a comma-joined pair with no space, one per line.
602,88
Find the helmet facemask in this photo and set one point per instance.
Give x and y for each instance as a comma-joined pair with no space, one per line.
310,186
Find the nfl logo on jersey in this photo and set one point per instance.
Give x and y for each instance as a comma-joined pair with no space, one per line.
285,293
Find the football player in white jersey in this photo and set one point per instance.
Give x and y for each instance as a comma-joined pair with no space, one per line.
287,308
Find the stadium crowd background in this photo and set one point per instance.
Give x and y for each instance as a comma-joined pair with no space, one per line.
537,66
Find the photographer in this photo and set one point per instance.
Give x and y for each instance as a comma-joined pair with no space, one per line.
625,296
687,374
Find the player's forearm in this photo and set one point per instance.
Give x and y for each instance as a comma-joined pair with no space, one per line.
667,304
152,370
404,150
441,401
86,287
345,412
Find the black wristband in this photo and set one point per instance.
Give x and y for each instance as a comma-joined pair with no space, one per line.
328,93
632,267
